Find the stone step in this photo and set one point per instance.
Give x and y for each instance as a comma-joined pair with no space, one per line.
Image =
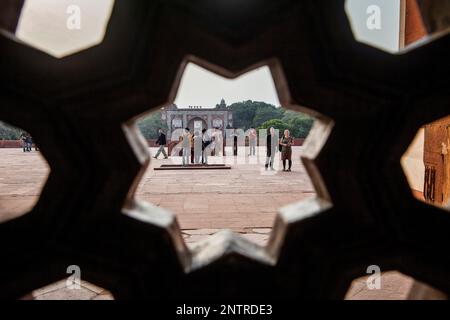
193,167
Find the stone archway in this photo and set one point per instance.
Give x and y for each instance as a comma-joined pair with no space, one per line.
197,124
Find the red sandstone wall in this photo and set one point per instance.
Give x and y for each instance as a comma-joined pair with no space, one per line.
151,143
10,144
18,143
436,133
414,26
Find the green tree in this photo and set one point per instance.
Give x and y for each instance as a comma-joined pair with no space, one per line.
289,114
250,113
267,113
300,126
8,132
256,114
243,114
276,124
149,125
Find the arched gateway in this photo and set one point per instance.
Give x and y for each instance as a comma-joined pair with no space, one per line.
219,117
197,124
196,119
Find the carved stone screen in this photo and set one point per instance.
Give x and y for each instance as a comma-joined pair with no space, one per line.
80,104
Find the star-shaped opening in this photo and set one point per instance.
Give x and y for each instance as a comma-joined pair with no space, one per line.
239,189
71,288
391,285
63,27
427,163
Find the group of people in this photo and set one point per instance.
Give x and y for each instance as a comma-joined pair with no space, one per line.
27,142
200,144
196,146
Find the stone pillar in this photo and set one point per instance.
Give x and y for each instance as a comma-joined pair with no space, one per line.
414,25
208,123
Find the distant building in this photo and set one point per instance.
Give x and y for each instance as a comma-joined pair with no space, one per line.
197,118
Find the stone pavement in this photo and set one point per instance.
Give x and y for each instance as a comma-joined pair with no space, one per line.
244,199
22,176
60,291
394,286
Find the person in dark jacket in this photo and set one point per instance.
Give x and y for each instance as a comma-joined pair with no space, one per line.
206,146
29,142
23,137
235,142
162,144
272,147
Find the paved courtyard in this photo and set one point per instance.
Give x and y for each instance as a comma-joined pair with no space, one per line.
22,176
244,199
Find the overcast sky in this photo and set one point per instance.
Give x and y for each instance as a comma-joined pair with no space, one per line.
200,87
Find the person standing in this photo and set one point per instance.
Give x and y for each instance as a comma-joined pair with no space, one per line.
23,138
29,142
198,146
272,146
187,143
162,141
235,142
206,144
252,141
286,143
